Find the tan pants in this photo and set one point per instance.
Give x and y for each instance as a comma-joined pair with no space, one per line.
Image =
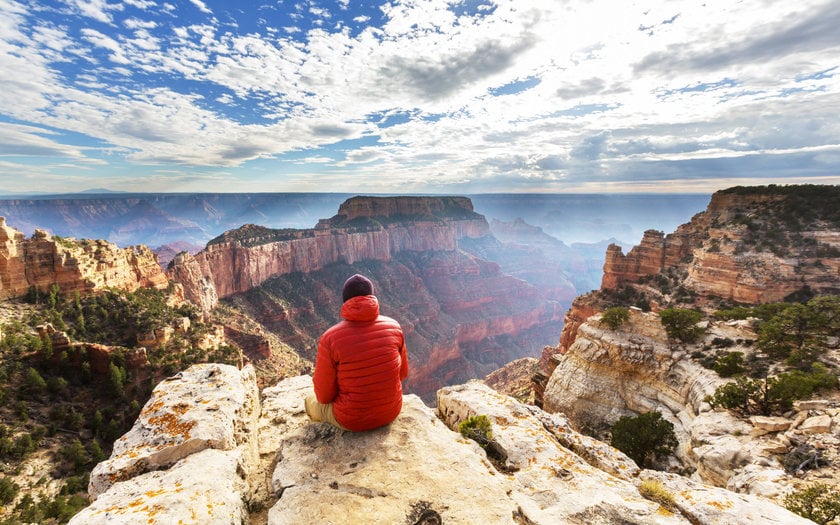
320,412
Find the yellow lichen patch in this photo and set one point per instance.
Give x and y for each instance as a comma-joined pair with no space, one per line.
720,506
154,407
116,509
170,424
154,493
180,408
114,477
663,511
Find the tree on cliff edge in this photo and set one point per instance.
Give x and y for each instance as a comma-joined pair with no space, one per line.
644,437
681,324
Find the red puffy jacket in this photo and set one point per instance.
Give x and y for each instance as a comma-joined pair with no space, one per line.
360,365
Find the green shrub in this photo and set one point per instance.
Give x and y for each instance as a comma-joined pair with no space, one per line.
735,313
8,490
644,437
818,503
729,364
770,395
681,324
478,428
615,316
33,383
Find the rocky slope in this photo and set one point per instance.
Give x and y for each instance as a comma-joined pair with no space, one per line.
207,449
43,261
607,374
463,317
752,245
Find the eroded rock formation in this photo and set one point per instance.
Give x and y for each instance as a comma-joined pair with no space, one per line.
749,246
242,259
200,458
608,373
84,266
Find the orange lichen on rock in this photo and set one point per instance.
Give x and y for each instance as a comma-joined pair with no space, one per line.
170,424
720,506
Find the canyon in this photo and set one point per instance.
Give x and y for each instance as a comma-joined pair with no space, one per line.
463,317
221,444
751,246
42,261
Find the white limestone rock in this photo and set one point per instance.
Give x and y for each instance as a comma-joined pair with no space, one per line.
207,406
551,484
759,480
716,506
413,469
766,424
206,488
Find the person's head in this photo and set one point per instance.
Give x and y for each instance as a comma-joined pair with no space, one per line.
355,286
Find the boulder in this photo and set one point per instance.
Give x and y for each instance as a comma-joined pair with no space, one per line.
714,505
207,406
408,471
550,483
766,424
816,425
205,488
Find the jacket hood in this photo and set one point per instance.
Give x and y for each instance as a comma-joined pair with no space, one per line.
360,308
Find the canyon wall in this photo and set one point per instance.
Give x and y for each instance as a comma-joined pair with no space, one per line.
751,246
243,259
748,246
73,265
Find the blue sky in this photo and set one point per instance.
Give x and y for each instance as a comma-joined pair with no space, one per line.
418,96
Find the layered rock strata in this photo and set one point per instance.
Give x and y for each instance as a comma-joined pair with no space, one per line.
243,259
84,266
415,470
462,316
741,249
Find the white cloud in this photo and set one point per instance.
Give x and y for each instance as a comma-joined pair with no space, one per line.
607,96
141,4
201,6
136,23
103,41
96,9
29,141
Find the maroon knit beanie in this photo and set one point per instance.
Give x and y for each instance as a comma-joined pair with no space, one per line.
356,285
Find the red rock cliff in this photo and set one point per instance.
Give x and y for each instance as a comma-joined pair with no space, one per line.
748,246
73,265
366,228
751,245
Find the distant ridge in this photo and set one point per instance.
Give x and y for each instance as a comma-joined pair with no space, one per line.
155,219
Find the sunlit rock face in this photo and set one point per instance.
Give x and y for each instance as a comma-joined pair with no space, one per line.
748,246
73,265
366,228
263,461
752,246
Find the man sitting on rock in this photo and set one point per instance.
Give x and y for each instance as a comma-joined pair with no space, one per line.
360,364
